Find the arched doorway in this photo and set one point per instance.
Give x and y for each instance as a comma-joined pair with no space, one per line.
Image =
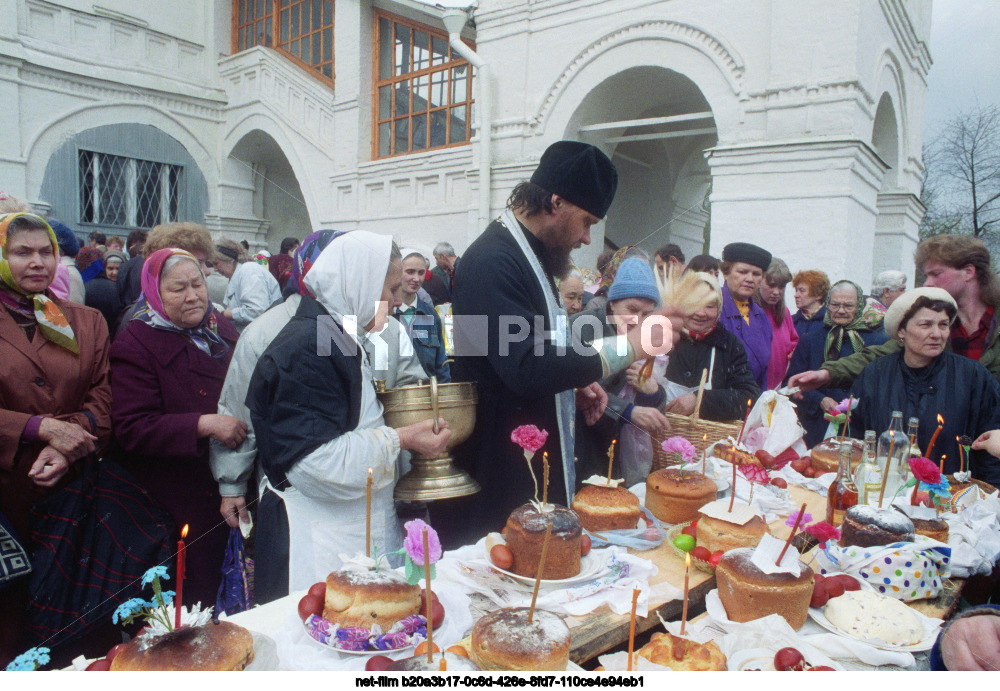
276,198
655,124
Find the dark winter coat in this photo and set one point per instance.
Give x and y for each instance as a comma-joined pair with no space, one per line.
961,390
102,294
732,381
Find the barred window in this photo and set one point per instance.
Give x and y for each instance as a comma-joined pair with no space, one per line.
302,29
127,192
423,89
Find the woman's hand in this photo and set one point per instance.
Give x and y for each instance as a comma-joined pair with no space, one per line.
48,468
827,404
234,510
651,420
647,386
972,644
682,405
68,438
224,428
989,442
420,438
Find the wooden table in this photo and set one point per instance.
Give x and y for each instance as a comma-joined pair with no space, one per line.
598,632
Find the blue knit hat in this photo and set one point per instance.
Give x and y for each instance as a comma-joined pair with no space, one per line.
634,279
68,244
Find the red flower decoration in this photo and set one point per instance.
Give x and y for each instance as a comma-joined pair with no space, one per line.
823,531
529,437
925,470
754,473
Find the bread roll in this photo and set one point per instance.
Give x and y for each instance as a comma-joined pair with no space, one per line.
606,508
222,647
675,497
717,535
869,526
366,598
525,534
825,456
747,593
504,640
682,655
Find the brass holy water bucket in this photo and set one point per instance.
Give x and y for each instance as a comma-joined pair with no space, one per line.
437,477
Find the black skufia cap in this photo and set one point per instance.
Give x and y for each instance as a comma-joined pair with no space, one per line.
579,173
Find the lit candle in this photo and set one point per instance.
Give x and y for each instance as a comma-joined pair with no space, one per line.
745,417
545,478
684,609
961,454
611,458
941,463
936,433
368,515
181,563
428,599
631,628
704,451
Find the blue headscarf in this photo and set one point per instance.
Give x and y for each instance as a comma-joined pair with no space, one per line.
305,255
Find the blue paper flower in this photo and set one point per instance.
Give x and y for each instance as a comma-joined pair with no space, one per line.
940,489
155,572
29,660
129,608
168,596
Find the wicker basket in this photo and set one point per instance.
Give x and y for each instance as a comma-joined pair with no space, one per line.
694,430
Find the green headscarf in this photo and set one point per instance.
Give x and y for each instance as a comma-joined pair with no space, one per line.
868,315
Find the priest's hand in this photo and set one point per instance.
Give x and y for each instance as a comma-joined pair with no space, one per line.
652,336
421,439
592,400
972,644
48,468
68,438
810,381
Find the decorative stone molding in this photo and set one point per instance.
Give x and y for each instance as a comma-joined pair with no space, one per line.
912,46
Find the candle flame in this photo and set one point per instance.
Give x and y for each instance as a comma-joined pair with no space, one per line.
687,560
369,471
184,532
940,420
704,437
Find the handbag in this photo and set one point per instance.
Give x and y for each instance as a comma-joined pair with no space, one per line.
92,543
14,561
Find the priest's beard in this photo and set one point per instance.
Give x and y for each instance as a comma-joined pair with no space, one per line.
556,261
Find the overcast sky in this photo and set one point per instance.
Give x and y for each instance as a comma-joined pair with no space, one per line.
965,47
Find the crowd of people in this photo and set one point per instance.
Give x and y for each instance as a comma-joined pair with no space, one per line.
225,383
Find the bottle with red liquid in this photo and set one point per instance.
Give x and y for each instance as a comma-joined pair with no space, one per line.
843,493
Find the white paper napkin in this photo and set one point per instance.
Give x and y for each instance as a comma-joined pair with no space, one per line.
766,554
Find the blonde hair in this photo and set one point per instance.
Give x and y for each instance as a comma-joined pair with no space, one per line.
192,237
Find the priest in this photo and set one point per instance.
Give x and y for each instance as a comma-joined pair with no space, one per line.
512,339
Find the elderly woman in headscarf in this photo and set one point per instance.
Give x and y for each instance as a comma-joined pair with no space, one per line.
319,426
924,380
55,394
167,368
252,290
851,322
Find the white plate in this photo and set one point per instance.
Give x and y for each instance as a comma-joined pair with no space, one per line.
763,659
591,566
932,627
327,646
265,654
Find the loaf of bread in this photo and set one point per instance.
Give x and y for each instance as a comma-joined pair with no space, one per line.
825,456
869,526
525,534
934,528
732,454
366,598
717,535
675,497
682,655
504,640
606,508
222,647
747,593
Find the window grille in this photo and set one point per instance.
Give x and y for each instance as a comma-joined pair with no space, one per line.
127,192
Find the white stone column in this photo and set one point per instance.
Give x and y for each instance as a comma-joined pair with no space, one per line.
897,234
810,203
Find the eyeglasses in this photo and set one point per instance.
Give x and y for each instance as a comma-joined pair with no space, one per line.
848,306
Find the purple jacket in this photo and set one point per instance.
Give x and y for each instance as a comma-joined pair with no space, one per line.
755,336
160,385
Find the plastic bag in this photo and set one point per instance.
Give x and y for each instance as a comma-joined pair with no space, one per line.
650,535
773,426
236,589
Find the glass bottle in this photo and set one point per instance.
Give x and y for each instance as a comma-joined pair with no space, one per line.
894,440
843,493
868,477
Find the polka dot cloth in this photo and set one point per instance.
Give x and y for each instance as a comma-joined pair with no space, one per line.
902,570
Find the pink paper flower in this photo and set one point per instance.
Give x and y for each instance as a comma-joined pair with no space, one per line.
791,520
414,541
529,437
925,470
842,406
754,473
823,532
680,446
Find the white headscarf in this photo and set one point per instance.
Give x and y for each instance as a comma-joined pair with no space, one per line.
348,277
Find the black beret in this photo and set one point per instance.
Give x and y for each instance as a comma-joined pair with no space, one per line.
747,253
579,173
